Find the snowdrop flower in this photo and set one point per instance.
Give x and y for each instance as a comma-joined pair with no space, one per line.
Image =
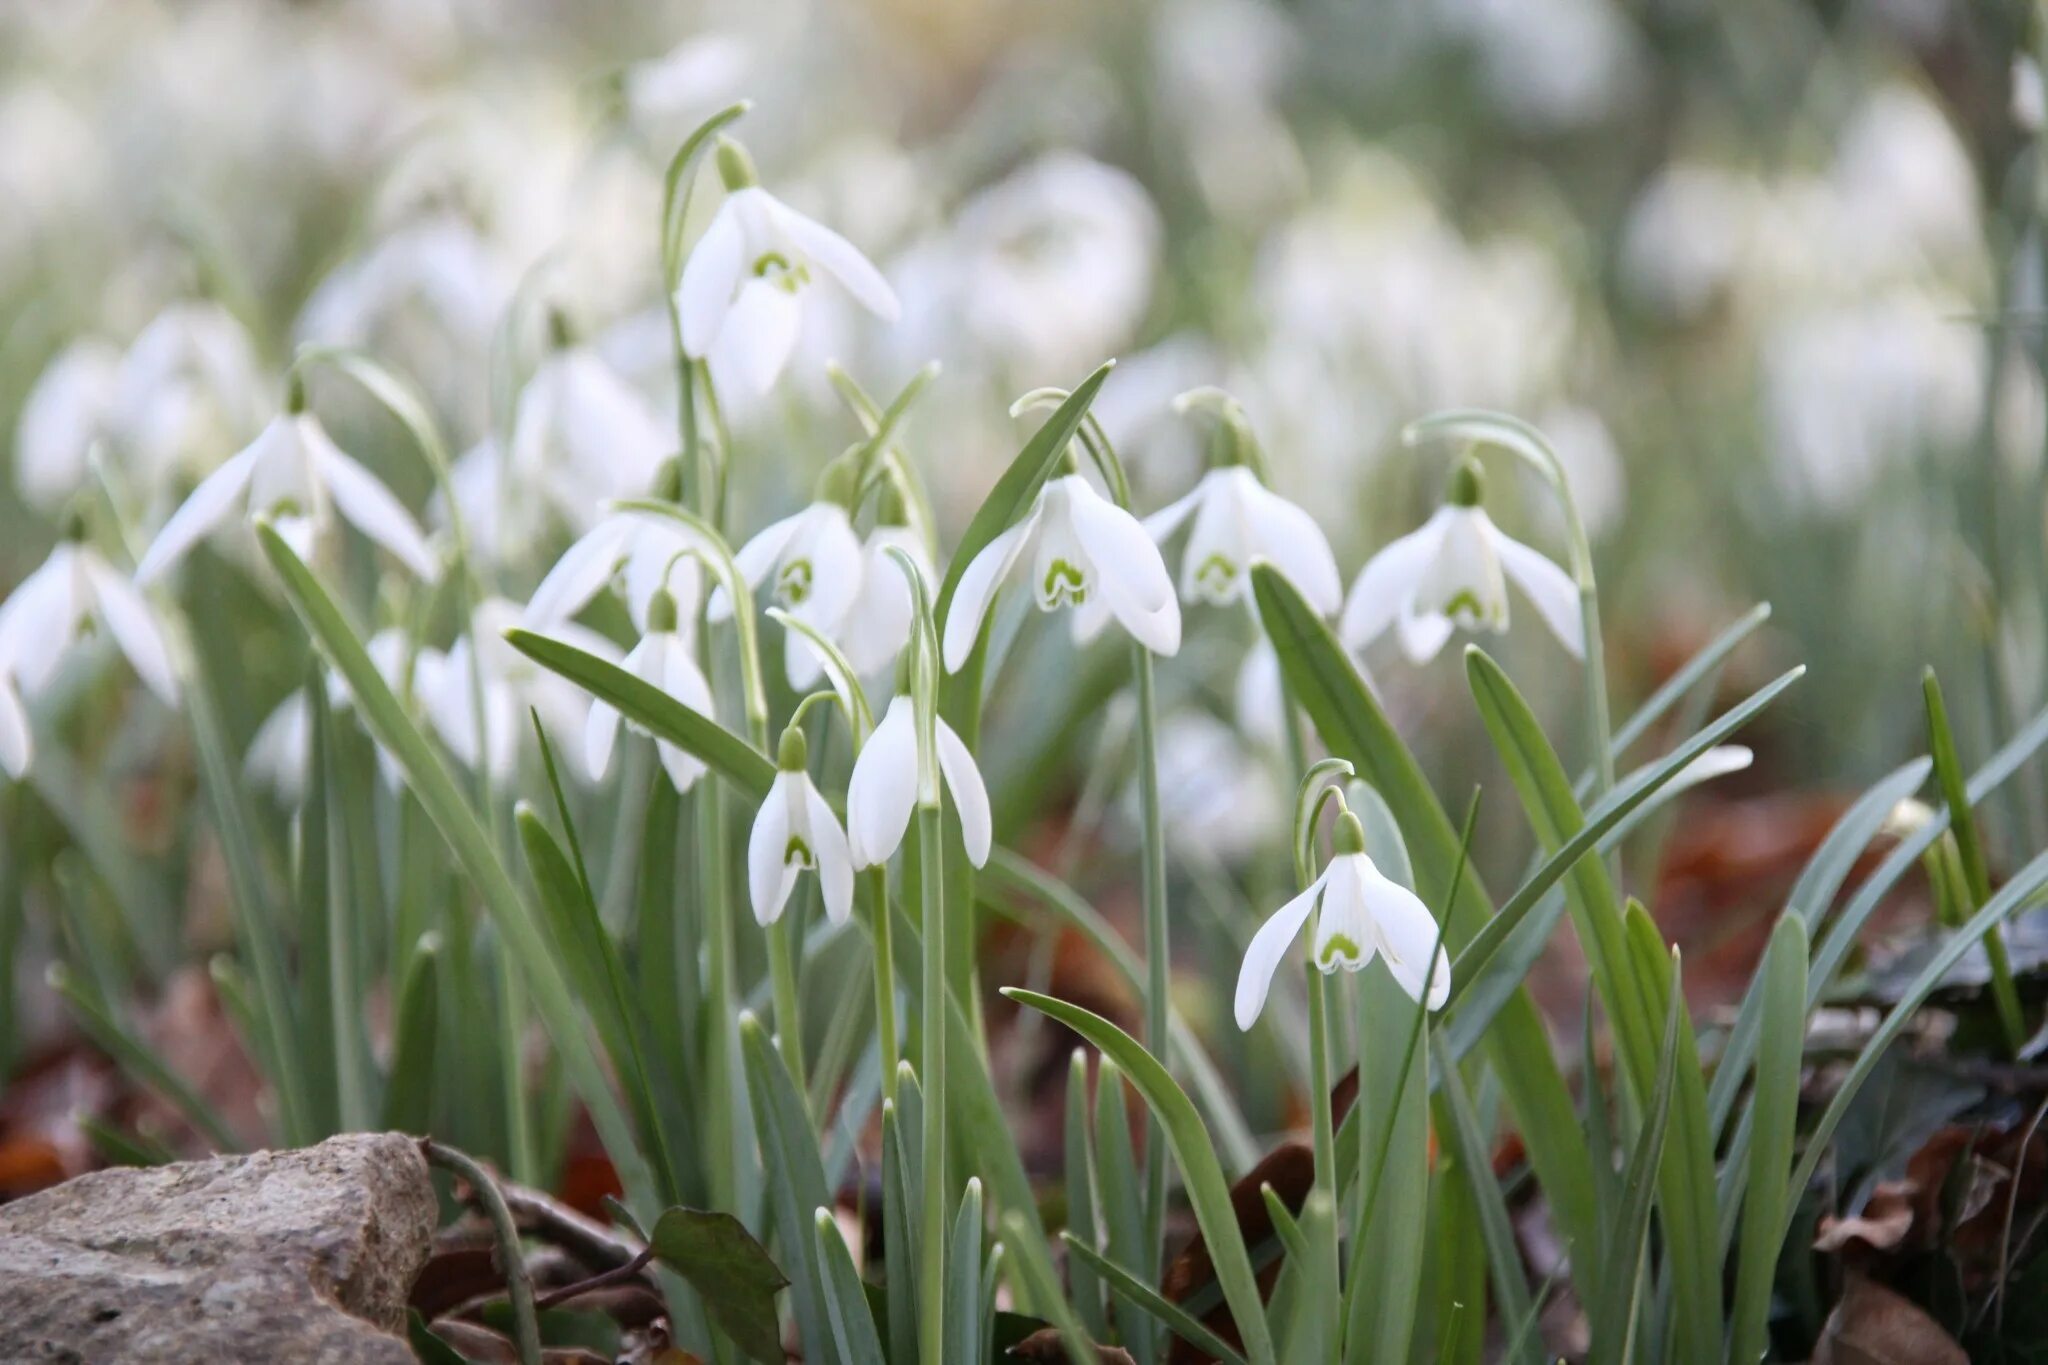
795,833
740,295
883,789
666,658
1453,572
818,565
291,472
1238,519
67,411
583,433
17,749
679,88
189,386
71,595
1360,914
509,683
877,626
1086,553
648,552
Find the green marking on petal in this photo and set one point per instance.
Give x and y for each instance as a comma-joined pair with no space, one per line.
798,852
1065,585
1217,576
793,584
1341,951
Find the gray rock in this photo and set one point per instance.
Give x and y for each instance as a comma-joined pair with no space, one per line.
275,1256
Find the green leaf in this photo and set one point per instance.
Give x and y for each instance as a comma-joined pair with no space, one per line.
431,1349
1626,1264
1143,1297
1686,1174
1473,1148
1207,1190
899,1236
1782,993
846,1300
733,1273
1810,897
442,800
1948,771
1084,1288
1321,677
963,1279
1385,1287
647,705
140,1060
1123,1215
1042,1286
796,1189
409,1089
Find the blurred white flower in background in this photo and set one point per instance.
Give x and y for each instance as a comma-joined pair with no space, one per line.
73,595
1553,63
294,473
1223,66
482,664
669,95
64,415
1686,236
1852,391
584,435
1049,269
189,391
279,752
1219,799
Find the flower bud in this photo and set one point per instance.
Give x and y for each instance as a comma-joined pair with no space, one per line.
1348,836
661,612
792,755
1467,487
735,167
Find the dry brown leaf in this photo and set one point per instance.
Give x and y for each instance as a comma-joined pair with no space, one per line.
1882,1225
1874,1326
1045,1344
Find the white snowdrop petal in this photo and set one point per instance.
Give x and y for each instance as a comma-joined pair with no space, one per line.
17,748
766,886
1549,589
841,260
375,510
977,589
758,337
970,796
883,789
579,575
1289,537
835,859
1407,933
1264,954
1422,636
756,560
134,627
1387,583
208,506
710,277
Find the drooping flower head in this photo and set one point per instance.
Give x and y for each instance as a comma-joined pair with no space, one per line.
1360,914
294,474
794,833
73,594
740,299
1454,572
1086,553
882,792
666,658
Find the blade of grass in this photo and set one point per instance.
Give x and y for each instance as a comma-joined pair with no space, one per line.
1143,1297
409,1086
1783,997
846,1303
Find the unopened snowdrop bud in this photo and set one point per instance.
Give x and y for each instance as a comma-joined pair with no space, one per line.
1360,914
1086,553
739,298
796,832
1454,572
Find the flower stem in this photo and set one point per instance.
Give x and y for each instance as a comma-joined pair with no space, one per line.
518,1285
931,1240
885,979
1157,951
1325,1136
789,1031
720,1038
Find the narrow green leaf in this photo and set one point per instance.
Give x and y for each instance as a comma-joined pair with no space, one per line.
1776,1113
1207,1190
1474,1157
409,1088
1042,1286
1143,1297
1626,1267
899,1239
1082,1284
1819,882
1123,1216
730,1270
846,1302
797,1189
645,704
963,1279
1386,1286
